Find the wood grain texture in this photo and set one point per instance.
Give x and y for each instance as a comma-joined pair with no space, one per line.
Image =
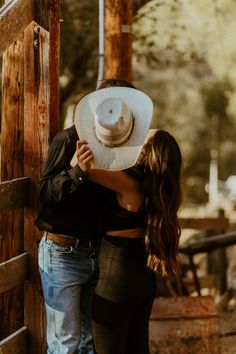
14,194
118,39
13,272
36,122
16,343
12,167
14,18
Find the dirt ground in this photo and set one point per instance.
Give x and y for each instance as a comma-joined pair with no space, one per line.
228,330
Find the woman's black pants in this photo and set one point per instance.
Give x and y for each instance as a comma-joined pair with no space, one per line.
123,298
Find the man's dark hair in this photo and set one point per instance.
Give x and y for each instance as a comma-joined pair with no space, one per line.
115,83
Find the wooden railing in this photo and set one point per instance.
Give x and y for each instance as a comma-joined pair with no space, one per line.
215,224
13,272
211,238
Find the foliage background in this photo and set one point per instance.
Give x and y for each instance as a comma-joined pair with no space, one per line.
184,57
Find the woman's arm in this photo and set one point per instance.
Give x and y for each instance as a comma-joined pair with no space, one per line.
118,181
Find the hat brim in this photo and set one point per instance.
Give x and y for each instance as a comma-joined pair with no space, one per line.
126,154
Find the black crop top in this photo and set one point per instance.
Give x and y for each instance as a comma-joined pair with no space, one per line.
120,218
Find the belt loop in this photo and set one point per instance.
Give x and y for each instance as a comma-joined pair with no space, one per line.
76,243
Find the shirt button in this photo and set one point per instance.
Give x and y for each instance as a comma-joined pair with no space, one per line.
80,179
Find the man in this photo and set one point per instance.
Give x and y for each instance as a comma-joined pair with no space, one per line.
71,218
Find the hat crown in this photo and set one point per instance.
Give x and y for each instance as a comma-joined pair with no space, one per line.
113,121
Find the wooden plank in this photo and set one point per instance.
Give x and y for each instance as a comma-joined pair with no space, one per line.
47,15
35,153
12,167
204,223
15,16
42,13
36,108
54,67
13,272
16,343
208,244
14,194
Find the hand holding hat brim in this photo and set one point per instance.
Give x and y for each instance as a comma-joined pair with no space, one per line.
126,154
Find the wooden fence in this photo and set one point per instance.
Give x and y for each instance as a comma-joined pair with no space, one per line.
29,45
211,238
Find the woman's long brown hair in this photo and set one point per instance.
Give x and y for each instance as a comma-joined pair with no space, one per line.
162,193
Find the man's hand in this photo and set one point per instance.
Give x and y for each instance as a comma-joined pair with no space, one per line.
83,156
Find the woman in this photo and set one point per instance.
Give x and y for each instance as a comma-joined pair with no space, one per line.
141,237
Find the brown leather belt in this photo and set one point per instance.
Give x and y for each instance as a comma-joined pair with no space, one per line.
74,242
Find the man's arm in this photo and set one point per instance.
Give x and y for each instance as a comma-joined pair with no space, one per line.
60,180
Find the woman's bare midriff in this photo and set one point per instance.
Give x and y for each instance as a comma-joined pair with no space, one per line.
129,233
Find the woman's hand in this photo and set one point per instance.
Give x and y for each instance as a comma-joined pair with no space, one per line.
83,156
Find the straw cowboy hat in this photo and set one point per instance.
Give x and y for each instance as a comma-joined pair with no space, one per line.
114,121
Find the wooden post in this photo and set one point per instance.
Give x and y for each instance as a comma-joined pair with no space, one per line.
12,166
14,17
47,15
36,114
118,39
54,67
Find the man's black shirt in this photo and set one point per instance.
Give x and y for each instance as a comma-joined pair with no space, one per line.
71,203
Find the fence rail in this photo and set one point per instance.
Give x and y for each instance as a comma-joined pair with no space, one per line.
14,194
13,272
217,223
15,343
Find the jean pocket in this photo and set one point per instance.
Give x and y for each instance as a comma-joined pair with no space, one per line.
44,255
61,249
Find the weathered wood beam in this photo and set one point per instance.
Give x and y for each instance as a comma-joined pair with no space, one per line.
47,15
54,68
204,223
36,102
36,139
209,243
15,343
15,16
12,167
14,194
118,39
13,272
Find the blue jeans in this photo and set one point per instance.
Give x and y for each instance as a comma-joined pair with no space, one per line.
68,279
